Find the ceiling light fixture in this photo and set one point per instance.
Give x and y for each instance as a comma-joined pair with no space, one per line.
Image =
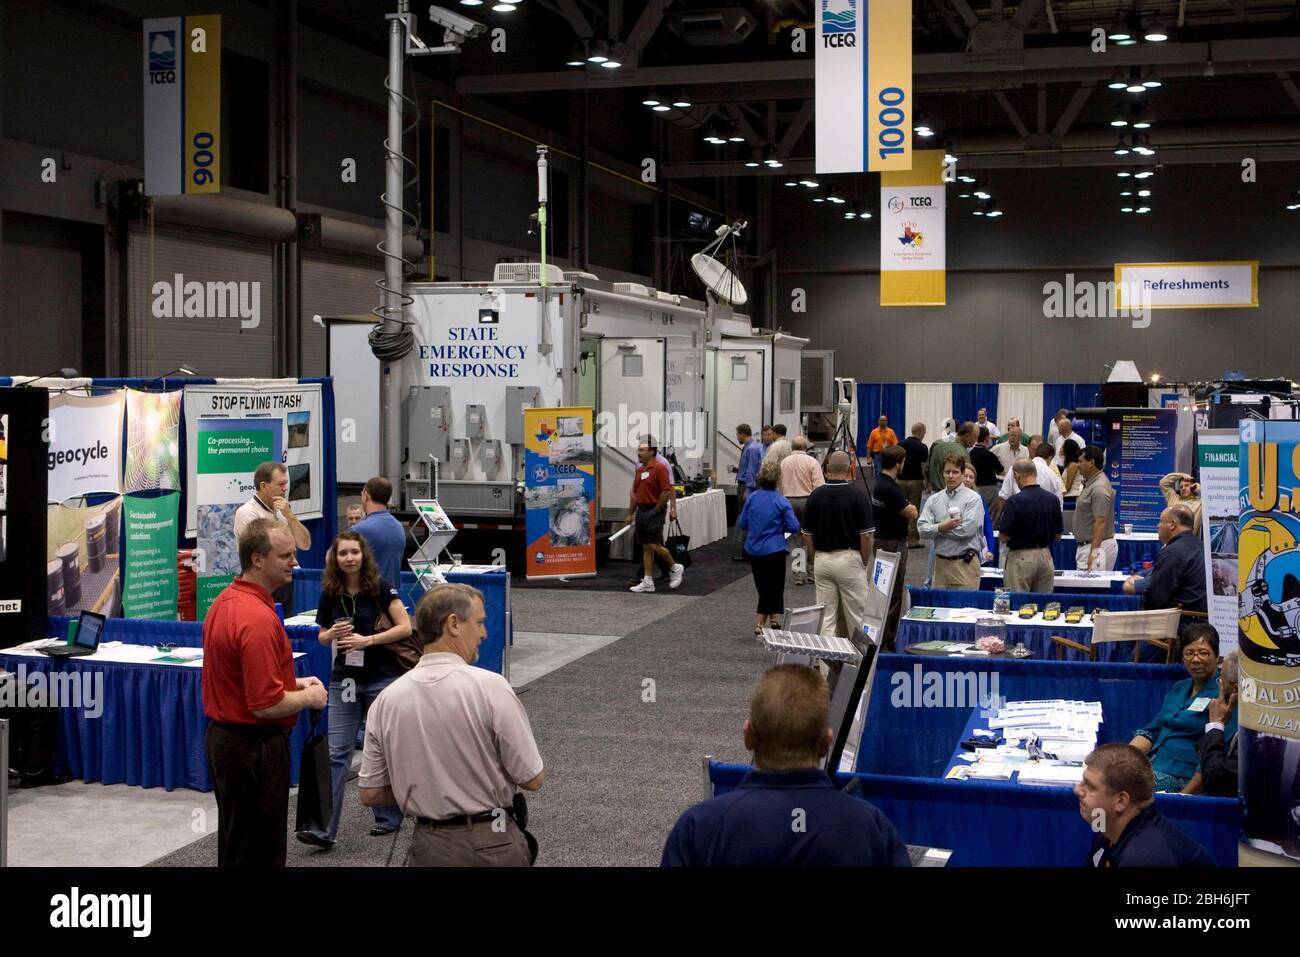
1144,174
792,182
810,183
1119,30
471,3
503,8
1144,209
576,56
1124,173
1126,209
1117,79
966,179
865,214
1144,192
1156,33
599,52
651,99
681,101
1121,148
1151,79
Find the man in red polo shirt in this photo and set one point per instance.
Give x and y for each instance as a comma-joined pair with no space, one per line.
252,699
652,490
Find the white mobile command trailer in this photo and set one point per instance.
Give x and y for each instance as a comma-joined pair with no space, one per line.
487,350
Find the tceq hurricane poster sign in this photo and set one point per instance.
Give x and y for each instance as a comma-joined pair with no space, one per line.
1215,285
1217,459
913,243
85,451
864,85
560,492
149,588
1268,565
290,412
182,105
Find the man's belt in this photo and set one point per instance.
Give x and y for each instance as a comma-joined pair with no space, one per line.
963,557
465,820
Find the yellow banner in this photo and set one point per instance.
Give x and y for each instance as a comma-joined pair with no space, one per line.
888,105
913,240
200,42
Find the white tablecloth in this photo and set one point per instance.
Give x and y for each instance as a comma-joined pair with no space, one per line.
1070,581
703,516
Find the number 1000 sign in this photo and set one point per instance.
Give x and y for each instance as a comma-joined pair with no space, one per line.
891,117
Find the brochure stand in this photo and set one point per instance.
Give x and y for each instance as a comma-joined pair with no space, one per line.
424,563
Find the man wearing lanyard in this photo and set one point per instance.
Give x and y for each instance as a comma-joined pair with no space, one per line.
954,520
270,486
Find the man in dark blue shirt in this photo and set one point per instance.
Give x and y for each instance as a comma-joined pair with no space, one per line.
385,535
1116,797
786,812
1178,577
751,457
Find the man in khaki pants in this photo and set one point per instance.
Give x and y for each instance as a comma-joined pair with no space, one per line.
838,527
451,744
954,518
1030,524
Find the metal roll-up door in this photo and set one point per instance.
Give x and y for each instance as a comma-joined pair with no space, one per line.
232,336
333,286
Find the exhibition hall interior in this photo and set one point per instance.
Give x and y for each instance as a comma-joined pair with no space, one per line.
650,433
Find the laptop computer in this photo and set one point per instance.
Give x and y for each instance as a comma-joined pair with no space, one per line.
87,640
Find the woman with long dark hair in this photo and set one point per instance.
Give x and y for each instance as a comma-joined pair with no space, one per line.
363,617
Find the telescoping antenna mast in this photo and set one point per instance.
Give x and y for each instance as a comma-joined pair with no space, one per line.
391,339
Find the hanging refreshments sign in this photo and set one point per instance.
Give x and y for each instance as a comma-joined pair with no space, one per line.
272,421
85,451
1211,285
560,492
182,105
1268,563
913,241
1217,461
864,85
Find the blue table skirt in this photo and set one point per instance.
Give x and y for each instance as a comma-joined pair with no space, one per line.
901,709
494,585
1129,553
151,730
953,598
1037,638
993,824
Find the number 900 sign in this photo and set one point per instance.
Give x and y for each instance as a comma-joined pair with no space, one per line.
891,117
203,158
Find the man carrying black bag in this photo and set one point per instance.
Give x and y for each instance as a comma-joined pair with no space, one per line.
451,745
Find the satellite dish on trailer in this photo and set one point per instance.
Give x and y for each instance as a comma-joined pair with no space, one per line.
720,280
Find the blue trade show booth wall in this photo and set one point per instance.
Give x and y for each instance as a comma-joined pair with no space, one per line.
988,824
1130,695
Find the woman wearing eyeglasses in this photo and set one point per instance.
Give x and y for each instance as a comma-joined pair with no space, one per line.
363,616
1170,740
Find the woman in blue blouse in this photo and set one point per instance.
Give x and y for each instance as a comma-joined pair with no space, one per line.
766,517
1170,740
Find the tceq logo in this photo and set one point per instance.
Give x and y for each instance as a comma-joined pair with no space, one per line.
179,299
839,23
76,910
162,56
1097,300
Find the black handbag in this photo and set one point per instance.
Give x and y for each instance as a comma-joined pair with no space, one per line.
315,795
679,545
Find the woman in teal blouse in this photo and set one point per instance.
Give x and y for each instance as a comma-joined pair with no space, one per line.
1170,739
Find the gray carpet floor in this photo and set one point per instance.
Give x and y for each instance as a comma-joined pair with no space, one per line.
622,730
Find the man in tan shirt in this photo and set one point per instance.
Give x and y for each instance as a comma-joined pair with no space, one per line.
800,474
451,744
